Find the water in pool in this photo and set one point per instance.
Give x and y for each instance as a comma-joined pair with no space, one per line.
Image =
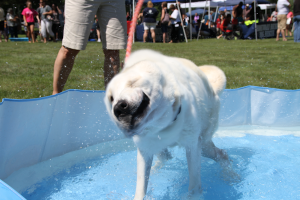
266,160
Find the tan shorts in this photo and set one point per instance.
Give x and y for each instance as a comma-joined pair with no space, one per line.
79,18
281,21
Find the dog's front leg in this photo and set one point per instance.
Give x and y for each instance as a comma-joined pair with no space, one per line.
193,155
144,162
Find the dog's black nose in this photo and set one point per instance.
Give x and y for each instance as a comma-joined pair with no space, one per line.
121,108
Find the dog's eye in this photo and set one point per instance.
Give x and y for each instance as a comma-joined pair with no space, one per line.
111,99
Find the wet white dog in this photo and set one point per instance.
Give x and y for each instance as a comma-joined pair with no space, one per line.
163,101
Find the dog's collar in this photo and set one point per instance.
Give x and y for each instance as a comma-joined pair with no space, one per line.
179,110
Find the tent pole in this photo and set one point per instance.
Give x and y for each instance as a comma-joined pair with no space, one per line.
201,20
133,7
191,29
255,19
181,21
245,10
209,17
216,13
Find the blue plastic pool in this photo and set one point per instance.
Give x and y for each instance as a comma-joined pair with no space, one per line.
19,39
66,147
266,159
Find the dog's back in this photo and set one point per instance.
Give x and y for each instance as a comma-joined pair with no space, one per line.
215,76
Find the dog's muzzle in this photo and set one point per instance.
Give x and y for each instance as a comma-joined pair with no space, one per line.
128,114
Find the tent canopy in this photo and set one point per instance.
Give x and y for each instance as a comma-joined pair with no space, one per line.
199,11
235,2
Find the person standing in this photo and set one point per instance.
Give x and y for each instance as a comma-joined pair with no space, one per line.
196,18
237,13
296,20
78,17
164,21
149,15
45,12
98,29
175,22
2,25
283,9
11,20
28,16
55,21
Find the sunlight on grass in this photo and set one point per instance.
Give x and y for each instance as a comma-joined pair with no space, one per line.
26,70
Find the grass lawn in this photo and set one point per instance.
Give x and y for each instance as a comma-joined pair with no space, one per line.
26,69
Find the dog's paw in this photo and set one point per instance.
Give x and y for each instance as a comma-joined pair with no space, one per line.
158,165
228,173
195,195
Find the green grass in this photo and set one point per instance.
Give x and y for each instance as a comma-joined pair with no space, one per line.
26,69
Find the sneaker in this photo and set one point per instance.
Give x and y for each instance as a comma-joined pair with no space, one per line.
99,40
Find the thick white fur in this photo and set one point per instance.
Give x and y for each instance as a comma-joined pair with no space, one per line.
170,83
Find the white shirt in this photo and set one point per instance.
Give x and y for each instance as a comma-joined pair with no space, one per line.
282,7
8,20
175,17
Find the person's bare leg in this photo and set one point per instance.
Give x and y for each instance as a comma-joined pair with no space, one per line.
277,35
32,33
153,35
62,68
111,65
164,37
28,33
283,35
145,35
98,34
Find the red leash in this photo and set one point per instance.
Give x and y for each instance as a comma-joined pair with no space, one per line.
132,28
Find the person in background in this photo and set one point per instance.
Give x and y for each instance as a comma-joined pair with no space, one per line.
55,21
245,12
2,32
224,24
205,17
128,17
149,15
11,21
140,18
28,16
175,21
98,30
196,18
214,16
218,22
283,9
289,22
45,12
296,12
164,25
274,16
237,13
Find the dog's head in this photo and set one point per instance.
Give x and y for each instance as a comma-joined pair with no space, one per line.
140,98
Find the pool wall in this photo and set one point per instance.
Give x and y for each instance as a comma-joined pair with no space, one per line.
35,130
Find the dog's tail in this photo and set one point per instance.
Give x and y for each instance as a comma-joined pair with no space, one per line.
216,78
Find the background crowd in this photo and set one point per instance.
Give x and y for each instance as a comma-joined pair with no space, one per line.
47,22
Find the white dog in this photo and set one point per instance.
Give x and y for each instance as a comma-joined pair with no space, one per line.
163,101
